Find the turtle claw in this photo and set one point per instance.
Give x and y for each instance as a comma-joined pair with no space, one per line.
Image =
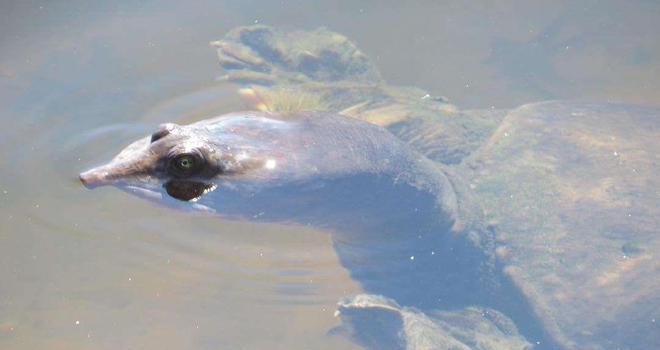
236,56
377,322
238,52
248,78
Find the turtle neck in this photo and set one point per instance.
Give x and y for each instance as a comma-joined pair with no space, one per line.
419,240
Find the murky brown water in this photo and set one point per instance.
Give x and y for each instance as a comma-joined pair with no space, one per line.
104,270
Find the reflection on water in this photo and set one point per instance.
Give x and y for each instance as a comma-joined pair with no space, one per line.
78,81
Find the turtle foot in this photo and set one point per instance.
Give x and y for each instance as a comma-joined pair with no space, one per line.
262,55
376,322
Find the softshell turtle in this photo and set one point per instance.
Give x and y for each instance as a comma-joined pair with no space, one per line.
534,227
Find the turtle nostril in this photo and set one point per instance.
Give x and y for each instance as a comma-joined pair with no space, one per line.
163,130
92,178
86,181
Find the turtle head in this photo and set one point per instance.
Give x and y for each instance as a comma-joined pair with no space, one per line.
171,153
185,162
260,166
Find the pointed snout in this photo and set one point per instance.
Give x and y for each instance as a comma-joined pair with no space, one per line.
108,174
134,160
95,177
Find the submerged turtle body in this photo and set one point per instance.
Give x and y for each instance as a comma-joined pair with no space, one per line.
493,229
569,189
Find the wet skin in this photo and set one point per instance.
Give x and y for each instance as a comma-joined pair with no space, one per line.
392,213
222,164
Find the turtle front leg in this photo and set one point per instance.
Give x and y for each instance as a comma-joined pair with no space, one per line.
371,321
379,323
293,71
261,55
242,64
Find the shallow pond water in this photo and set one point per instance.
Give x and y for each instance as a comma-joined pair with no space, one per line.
104,270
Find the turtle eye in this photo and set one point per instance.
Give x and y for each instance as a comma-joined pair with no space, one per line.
185,164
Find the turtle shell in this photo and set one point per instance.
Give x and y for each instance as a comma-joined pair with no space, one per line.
572,189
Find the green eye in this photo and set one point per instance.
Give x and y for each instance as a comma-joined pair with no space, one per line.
185,165
186,162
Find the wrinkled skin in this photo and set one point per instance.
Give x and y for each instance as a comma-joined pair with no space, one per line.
547,213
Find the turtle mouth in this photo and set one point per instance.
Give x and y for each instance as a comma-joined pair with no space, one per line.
185,190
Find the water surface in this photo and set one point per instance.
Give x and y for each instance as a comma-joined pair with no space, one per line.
104,270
